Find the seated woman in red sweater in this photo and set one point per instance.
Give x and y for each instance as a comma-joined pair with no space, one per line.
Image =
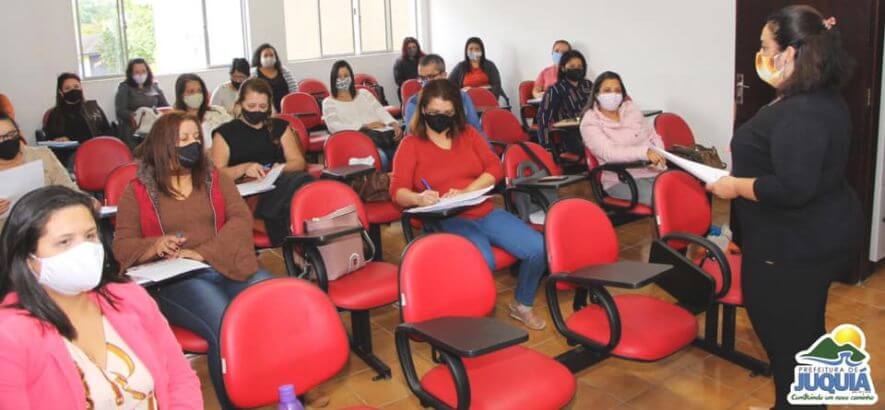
446,156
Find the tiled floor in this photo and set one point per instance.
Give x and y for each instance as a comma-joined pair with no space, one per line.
690,379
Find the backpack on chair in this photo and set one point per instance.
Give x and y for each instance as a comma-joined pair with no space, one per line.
527,208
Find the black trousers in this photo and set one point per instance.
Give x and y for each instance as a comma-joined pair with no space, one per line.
787,308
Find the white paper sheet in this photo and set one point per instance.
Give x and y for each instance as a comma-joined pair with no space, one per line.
703,172
538,217
534,100
368,161
19,181
162,270
107,211
262,185
465,199
58,144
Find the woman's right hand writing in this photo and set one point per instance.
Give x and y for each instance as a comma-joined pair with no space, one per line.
168,246
255,170
427,197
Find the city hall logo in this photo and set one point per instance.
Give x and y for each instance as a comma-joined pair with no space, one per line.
834,370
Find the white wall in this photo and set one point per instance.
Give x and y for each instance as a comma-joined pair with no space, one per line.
673,55
40,42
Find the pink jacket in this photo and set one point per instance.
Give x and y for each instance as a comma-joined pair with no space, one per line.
627,140
37,371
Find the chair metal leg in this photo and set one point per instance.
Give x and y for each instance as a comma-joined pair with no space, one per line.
726,347
580,358
361,343
375,236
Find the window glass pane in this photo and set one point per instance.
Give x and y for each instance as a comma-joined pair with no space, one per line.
336,25
224,19
101,52
167,33
302,29
373,22
402,21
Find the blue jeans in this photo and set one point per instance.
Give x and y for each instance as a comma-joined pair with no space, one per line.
504,230
197,304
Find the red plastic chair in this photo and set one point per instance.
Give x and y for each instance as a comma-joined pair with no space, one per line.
527,111
482,364
314,87
518,164
483,99
673,130
315,170
620,210
408,89
96,158
580,241
302,343
370,287
338,151
502,128
683,216
304,107
364,79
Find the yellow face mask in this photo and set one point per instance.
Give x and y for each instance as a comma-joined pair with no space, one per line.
767,70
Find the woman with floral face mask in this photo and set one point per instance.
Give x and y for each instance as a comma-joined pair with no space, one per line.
614,130
799,219
192,97
138,90
75,331
266,65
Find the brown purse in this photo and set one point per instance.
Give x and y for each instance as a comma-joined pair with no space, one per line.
374,187
698,153
345,254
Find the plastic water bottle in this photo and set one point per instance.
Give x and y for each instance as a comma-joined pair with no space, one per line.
721,236
288,399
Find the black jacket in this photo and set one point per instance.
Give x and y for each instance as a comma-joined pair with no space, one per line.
405,69
807,215
58,124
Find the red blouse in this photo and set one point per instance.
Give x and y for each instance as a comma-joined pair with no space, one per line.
475,78
444,169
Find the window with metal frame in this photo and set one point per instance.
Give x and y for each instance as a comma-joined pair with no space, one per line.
172,35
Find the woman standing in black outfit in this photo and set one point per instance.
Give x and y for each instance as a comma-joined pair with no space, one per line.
799,218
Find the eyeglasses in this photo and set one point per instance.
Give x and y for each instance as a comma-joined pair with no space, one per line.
424,79
446,113
14,134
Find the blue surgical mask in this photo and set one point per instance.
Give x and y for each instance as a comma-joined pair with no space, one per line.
556,57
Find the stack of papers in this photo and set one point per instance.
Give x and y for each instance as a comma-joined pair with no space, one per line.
19,181
166,269
703,172
466,199
262,185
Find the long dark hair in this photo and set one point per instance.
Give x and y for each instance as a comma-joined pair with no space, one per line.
820,61
256,56
18,241
241,65
446,90
260,86
597,84
5,117
181,84
569,55
159,151
131,81
482,47
59,100
404,52
333,77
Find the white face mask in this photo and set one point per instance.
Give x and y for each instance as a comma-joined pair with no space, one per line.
268,61
139,78
610,101
73,271
474,55
193,101
343,83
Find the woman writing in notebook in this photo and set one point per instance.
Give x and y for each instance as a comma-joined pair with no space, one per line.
180,206
445,157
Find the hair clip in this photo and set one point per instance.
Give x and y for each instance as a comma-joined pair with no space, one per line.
829,23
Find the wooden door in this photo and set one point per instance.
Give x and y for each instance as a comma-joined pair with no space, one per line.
860,22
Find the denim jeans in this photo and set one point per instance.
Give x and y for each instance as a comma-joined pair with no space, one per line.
504,230
197,304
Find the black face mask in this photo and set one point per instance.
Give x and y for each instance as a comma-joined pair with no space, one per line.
574,74
236,84
255,117
73,96
190,155
10,148
438,122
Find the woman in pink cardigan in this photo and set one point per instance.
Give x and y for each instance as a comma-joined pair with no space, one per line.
615,131
75,334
